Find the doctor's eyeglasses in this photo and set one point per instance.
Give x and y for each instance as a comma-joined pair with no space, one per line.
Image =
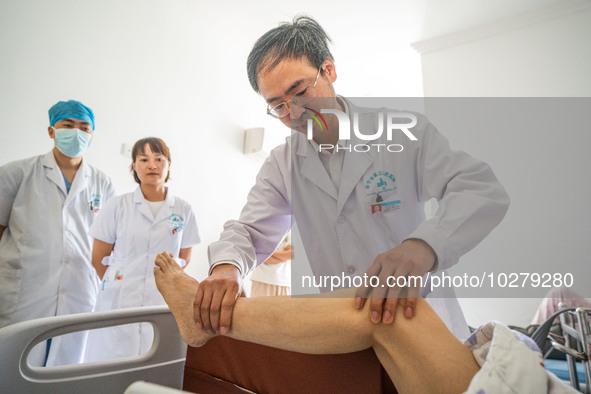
281,110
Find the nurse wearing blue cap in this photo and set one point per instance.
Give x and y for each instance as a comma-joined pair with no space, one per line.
47,205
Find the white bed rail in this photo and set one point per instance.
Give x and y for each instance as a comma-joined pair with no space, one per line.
162,364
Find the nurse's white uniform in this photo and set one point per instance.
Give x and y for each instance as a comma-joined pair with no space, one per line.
45,265
127,223
379,204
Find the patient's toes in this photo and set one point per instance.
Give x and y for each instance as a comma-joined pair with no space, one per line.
160,261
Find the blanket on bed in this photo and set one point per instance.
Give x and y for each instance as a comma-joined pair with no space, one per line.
510,362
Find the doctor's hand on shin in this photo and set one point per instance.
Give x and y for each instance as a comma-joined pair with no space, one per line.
215,299
412,258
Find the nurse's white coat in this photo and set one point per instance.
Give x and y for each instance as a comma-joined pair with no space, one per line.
127,223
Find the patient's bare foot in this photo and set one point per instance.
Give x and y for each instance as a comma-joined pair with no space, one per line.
178,290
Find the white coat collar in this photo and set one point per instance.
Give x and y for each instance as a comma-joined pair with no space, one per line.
140,201
355,164
54,173
306,159
138,197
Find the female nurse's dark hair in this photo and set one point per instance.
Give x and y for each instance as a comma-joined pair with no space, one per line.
156,146
304,37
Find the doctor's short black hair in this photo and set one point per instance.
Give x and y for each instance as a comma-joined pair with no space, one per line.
303,37
156,146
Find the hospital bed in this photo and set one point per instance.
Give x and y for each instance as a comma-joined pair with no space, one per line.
222,366
574,343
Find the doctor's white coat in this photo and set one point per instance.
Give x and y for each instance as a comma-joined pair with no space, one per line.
45,267
379,205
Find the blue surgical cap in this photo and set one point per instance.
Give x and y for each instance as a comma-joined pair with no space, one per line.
70,109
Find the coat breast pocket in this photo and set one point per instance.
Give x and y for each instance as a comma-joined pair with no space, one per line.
176,225
386,222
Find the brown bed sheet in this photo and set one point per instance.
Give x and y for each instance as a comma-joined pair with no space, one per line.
224,365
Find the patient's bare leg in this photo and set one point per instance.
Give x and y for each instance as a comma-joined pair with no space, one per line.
419,354
422,355
281,322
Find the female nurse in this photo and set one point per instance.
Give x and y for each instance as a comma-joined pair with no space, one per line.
129,233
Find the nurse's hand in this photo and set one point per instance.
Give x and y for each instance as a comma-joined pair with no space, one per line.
413,257
216,297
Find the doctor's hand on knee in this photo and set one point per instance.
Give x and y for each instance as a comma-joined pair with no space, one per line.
215,299
397,266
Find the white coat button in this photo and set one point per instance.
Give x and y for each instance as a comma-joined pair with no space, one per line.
341,220
351,270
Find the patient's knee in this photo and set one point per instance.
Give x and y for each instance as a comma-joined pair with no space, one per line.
403,327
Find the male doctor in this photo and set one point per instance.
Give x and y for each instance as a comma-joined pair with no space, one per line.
357,211
47,204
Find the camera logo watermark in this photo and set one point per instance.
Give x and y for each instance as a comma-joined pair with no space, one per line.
390,119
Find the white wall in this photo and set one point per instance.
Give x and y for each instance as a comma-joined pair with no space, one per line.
539,54
175,69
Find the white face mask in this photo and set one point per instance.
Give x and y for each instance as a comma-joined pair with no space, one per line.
72,142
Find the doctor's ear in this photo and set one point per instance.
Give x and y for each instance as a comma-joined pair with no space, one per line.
329,69
51,132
